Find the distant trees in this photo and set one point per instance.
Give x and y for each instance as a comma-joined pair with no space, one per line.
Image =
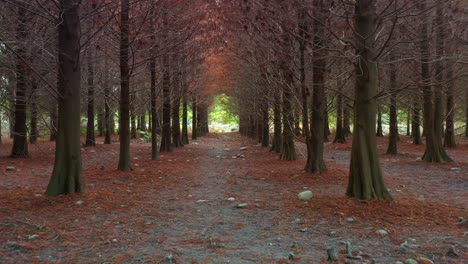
290,65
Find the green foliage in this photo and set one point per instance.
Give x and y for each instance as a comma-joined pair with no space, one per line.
222,112
145,136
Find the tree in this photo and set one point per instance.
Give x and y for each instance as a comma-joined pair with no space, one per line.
393,135
90,138
124,118
20,140
435,151
315,162
365,175
66,175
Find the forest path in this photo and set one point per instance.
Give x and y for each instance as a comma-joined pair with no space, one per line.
178,206
207,226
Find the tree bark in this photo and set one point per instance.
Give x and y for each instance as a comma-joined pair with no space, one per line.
153,95
415,123
449,136
90,138
34,131
20,140
393,135
315,162
66,175
379,132
194,119
107,111
53,120
277,130
340,133
365,175
124,120
408,122
435,151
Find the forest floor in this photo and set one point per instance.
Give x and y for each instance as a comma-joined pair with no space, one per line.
178,209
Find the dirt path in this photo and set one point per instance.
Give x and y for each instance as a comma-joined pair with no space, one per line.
177,209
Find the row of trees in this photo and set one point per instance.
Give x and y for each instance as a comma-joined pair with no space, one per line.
301,62
292,64
140,61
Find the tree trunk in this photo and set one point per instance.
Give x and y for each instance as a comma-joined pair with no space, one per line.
340,133
379,132
315,162
265,125
185,138
415,123
166,125
466,111
194,119
449,137
100,119
435,151
133,117
326,123
408,122
393,135
346,119
288,150
53,120
277,140
34,131
20,140
90,138
143,122
154,115
176,138
66,175
365,175
124,120
107,111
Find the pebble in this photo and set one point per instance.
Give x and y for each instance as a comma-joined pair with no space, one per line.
350,220
10,168
423,260
231,199
305,196
242,205
382,232
243,148
421,198
452,252
234,157
410,261
33,237
79,202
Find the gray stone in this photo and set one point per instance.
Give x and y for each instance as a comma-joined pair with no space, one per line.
452,252
10,168
242,205
332,254
231,199
305,196
243,148
410,261
350,220
79,202
382,232
423,260
33,237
